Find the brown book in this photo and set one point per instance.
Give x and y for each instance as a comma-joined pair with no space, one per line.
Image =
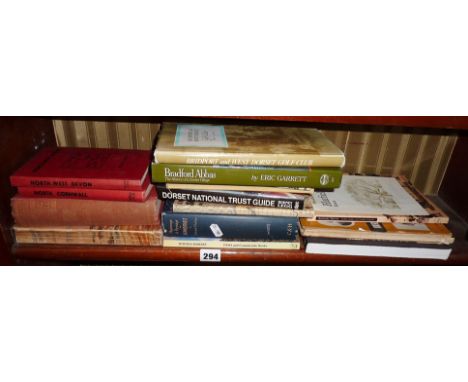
40,212
401,232
142,236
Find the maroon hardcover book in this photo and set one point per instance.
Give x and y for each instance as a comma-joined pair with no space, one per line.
90,193
85,168
53,212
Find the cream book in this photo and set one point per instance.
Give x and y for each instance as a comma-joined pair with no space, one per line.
141,236
232,209
239,145
220,187
376,198
229,244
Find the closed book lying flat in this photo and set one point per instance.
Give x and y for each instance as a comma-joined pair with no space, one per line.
271,200
403,232
376,198
228,227
308,177
70,167
142,236
376,249
89,194
40,212
232,187
196,144
228,209
229,244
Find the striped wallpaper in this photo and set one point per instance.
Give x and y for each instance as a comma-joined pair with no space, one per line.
421,158
123,135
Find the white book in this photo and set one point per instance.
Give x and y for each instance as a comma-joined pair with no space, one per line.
354,249
376,198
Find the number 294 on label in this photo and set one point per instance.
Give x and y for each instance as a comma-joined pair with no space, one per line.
210,255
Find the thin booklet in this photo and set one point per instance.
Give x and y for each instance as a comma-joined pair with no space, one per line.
376,198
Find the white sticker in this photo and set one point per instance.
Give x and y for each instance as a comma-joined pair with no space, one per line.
412,227
190,135
210,255
216,230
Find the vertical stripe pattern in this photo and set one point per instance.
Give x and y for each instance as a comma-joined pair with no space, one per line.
421,158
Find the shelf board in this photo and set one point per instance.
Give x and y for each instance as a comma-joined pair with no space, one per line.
459,123
114,254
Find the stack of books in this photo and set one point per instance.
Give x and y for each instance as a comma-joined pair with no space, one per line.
86,196
240,186
376,216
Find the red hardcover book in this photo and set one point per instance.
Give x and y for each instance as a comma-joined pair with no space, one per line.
90,193
85,168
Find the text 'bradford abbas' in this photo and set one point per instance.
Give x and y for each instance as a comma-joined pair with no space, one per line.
181,173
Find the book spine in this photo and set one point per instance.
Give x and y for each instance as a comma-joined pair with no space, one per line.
83,194
225,159
76,183
47,212
404,219
231,197
229,227
89,236
230,244
248,176
225,209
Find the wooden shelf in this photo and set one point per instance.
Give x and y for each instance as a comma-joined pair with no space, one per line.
109,254
459,123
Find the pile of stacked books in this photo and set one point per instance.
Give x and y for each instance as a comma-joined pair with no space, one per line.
377,216
240,186
86,196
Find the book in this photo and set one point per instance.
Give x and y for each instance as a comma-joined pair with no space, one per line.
228,227
229,244
40,212
90,193
229,209
376,249
195,144
142,236
84,168
247,176
221,187
378,199
241,198
404,232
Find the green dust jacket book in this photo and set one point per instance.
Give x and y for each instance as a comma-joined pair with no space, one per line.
248,176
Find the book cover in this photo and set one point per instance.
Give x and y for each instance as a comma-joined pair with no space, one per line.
221,187
230,209
240,198
248,176
196,144
403,232
84,168
40,212
346,247
229,244
228,227
376,198
142,236
90,193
